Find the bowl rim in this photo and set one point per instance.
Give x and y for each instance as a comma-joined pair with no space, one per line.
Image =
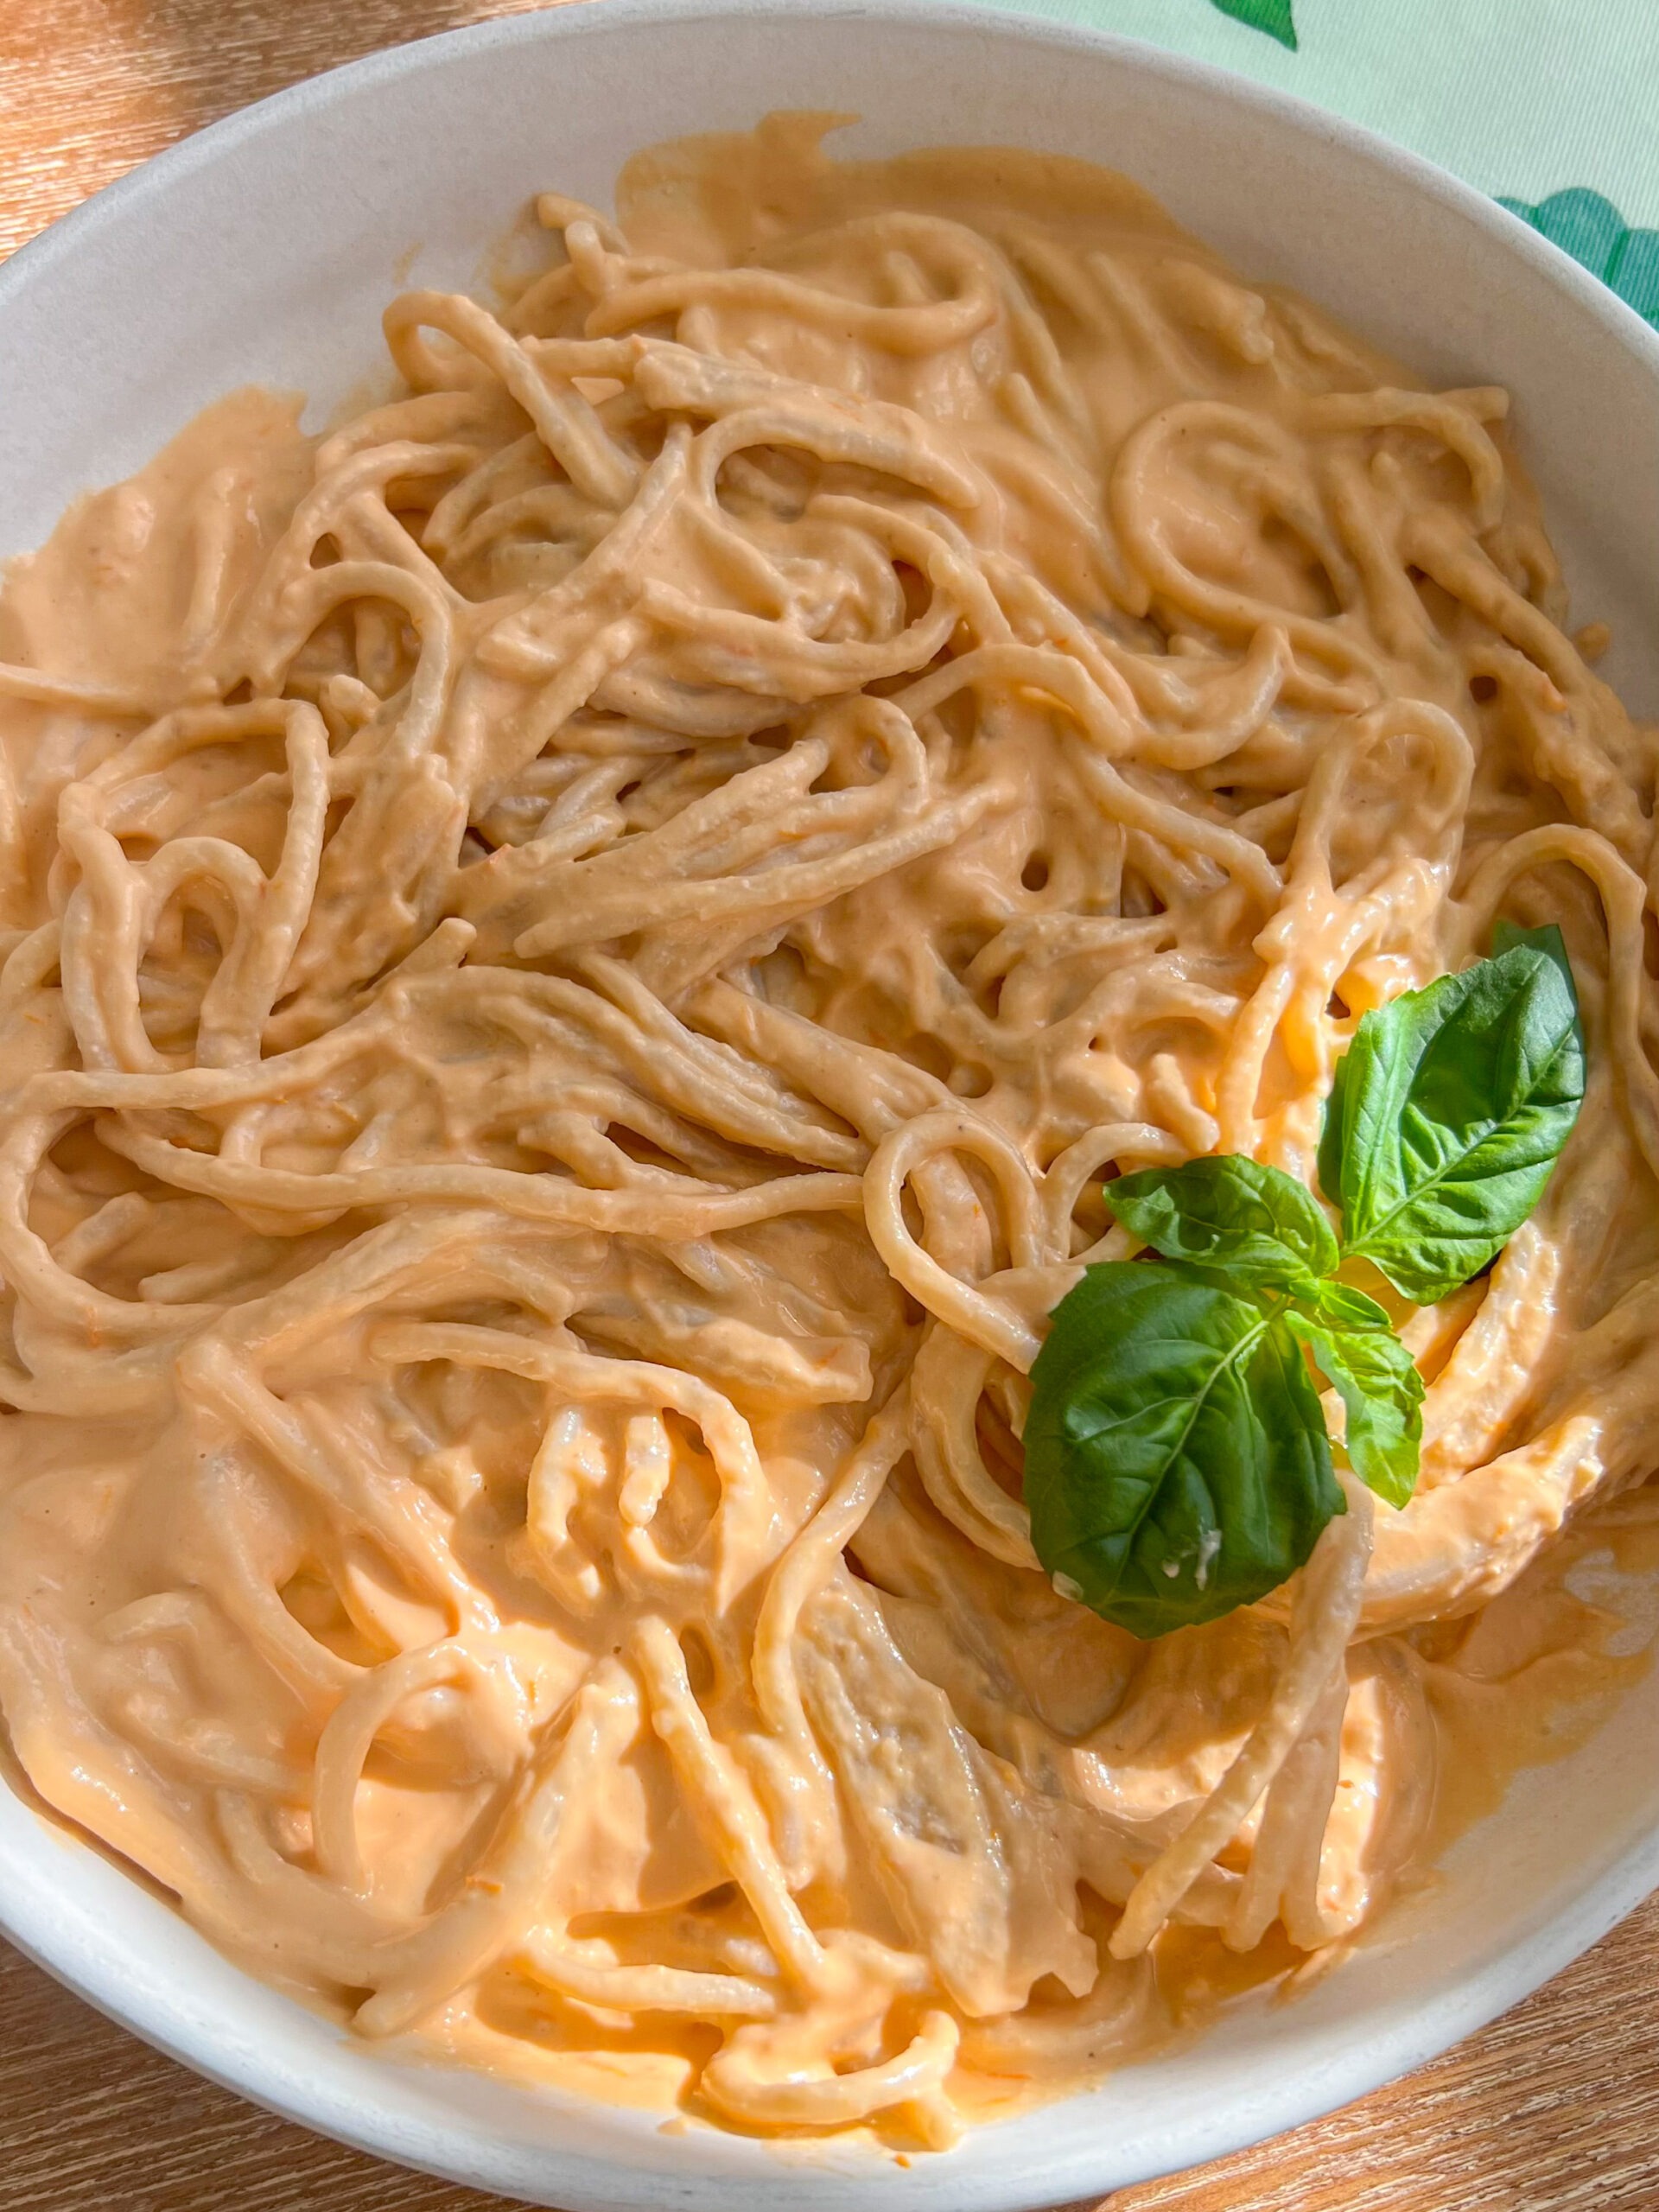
36,257
451,2149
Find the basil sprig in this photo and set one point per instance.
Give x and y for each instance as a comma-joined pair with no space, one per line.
1177,1460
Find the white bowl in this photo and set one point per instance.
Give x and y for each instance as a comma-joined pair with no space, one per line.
263,251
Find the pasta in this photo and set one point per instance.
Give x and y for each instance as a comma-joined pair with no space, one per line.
577,949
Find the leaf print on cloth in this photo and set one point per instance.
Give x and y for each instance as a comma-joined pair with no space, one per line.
1590,228
1273,17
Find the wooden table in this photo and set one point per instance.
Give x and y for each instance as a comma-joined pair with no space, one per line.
1556,2109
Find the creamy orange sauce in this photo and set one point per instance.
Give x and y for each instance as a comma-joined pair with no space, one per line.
575,951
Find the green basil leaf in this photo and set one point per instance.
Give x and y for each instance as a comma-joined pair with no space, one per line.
1331,1134
1355,1348
1254,1223
1345,1307
1455,1103
1274,17
1177,1464
1549,939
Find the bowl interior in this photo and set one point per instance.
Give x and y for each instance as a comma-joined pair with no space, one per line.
264,252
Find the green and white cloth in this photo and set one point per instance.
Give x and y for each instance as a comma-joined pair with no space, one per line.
1550,105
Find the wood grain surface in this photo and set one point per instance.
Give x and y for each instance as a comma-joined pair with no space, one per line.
1554,2109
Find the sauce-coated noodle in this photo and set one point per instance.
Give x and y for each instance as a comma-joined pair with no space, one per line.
577,950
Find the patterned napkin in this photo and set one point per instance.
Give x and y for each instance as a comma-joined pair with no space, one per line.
1550,105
